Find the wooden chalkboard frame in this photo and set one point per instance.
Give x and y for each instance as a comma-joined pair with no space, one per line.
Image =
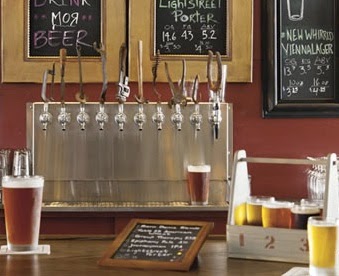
16,68
182,265
239,62
273,104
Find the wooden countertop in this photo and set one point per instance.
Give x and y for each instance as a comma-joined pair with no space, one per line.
79,256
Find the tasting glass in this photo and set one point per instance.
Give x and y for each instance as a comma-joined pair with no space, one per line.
323,244
22,162
254,209
277,214
4,166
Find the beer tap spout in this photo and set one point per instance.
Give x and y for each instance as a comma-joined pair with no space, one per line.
82,117
101,117
120,117
177,118
158,117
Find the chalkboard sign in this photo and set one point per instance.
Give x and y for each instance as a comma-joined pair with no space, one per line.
300,58
157,244
191,27
63,24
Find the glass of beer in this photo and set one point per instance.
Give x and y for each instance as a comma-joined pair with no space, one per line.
277,214
323,239
254,209
301,213
198,180
22,199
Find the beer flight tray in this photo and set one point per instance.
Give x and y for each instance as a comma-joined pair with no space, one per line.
273,244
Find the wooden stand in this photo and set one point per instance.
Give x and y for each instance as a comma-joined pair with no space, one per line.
274,244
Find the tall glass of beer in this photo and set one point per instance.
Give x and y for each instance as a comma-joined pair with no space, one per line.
22,199
277,214
198,180
254,209
323,243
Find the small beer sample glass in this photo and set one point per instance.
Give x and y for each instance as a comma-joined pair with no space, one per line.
254,209
323,241
277,214
301,213
22,198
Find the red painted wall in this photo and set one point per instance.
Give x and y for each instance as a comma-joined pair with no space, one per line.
295,138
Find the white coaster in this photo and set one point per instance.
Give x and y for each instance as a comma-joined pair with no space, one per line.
42,249
297,271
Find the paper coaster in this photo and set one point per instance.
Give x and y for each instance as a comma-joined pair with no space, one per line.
297,271
42,249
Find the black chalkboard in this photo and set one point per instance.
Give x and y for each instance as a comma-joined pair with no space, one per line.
157,244
300,58
191,27
63,24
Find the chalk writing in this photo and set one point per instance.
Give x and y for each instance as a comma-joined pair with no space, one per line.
307,50
157,242
191,27
55,24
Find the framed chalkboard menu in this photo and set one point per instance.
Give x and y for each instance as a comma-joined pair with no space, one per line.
191,27
33,31
300,58
157,244
52,25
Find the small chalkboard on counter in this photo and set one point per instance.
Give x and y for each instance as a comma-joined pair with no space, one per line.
191,27
157,244
52,25
300,58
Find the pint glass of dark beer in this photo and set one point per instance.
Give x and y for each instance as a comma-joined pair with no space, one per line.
22,199
301,213
198,180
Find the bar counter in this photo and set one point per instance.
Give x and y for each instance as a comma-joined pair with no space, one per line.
79,256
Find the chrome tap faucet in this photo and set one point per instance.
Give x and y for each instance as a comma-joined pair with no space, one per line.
177,118
82,117
196,117
46,117
64,118
215,117
158,117
140,116
123,88
178,97
120,117
102,117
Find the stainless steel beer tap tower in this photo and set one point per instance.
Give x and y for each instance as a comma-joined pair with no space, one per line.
96,169
119,160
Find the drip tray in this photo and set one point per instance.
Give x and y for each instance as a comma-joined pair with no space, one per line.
101,206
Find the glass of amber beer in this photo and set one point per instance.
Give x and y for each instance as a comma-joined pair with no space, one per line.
323,240
277,214
198,181
254,209
22,199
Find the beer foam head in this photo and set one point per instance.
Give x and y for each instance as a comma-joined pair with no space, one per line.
305,210
275,204
199,168
22,182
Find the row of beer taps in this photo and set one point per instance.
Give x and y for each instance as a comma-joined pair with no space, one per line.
178,101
